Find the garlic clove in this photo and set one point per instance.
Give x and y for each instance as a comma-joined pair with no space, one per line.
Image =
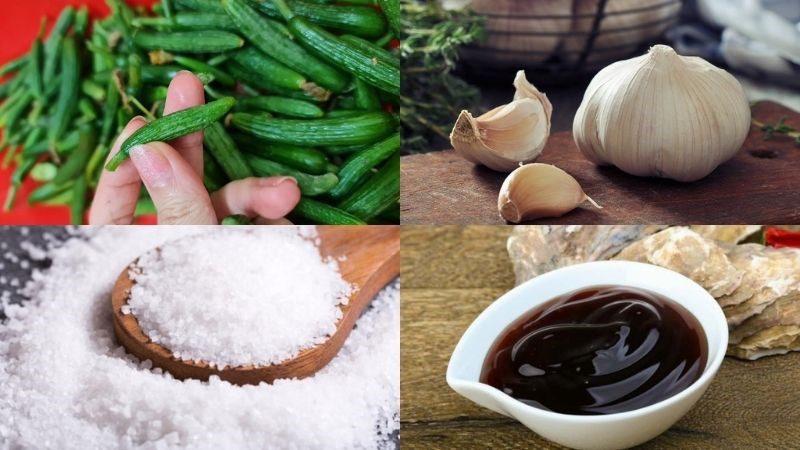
524,89
536,190
503,137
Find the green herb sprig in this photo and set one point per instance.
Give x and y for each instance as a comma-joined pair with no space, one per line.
770,130
432,96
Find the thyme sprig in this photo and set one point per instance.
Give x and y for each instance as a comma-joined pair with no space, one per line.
770,130
432,96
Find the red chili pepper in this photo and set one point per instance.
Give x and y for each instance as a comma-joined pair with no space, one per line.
779,238
394,43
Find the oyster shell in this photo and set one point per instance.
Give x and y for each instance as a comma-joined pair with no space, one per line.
688,253
535,250
772,341
769,274
731,234
783,312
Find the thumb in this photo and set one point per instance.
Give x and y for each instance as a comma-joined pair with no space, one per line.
176,189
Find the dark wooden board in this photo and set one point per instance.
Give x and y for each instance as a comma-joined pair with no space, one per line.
761,184
450,274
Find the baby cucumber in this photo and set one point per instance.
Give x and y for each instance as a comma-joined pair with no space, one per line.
225,152
52,48
209,41
200,5
213,176
282,106
35,70
77,204
370,48
172,126
304,159
252,80
14,65
158,74
366,97
189,21
363,129
310,185
67,101
323,213
74,167
365,65
359,20
379,193
359,165
391,8
48,191
17,177
273,72
264,34
198,66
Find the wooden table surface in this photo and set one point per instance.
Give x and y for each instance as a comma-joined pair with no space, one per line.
761,184
450,274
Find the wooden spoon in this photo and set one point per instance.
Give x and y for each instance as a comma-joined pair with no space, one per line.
372,261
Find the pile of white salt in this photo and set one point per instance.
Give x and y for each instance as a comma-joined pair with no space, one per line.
65,383
258,296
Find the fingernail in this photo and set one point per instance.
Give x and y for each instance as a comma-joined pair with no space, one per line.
274,181
152,166
183,71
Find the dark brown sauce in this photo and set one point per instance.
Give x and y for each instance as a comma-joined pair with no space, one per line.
598,350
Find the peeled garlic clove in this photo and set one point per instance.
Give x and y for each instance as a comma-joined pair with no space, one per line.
662,115
503,137
537,190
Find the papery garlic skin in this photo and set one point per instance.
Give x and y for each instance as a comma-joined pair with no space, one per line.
508,135
663,115
534,191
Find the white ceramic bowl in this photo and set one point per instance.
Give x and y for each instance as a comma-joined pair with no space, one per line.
609,431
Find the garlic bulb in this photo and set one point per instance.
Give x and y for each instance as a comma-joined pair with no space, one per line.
664,115
507,135
537,190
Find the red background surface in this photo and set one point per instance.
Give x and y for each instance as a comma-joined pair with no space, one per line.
19,23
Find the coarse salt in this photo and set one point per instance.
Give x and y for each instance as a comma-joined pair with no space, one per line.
65,383
237,297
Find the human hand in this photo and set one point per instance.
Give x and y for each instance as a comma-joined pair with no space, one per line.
173,175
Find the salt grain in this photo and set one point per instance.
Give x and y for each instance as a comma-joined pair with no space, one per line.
66,384
237,297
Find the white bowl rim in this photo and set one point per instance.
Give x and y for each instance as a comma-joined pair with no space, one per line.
712,366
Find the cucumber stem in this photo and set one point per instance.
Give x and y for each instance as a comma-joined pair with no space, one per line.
384,40
12,194
284,9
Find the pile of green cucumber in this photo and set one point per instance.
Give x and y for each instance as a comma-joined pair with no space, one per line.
300,88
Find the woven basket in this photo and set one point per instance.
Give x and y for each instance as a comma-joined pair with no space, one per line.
565,38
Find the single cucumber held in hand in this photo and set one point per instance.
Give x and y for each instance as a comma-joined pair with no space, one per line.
173,126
